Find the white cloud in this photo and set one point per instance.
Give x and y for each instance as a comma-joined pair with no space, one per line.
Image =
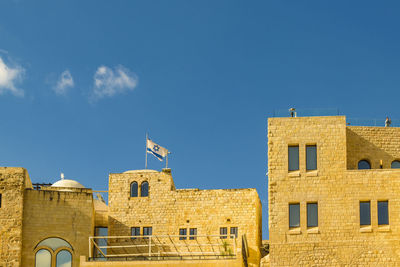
64,82
108,82
9,77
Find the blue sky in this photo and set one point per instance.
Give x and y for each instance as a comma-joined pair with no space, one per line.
81,82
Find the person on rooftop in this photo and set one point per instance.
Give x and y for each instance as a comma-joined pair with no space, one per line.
388,122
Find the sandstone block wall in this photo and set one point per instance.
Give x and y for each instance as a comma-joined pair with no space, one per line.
167,210
12,184
338,187
62,214
375,144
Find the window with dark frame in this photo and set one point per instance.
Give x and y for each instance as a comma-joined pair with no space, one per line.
311,157
364,165
182,234
365,213
383,212
293,152
147,231
312,214
144,189
395,164
223,232
135,231
294,215
193,233
234,232
134,189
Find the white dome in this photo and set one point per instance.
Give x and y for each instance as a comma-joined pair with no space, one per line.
67,183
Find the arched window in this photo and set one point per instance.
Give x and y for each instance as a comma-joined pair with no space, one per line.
134,189
43,258
53,247
64,259
54,243
144,189
364,164
395,164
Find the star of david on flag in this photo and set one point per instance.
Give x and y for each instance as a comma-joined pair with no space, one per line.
157,150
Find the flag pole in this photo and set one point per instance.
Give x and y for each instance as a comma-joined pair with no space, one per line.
147,137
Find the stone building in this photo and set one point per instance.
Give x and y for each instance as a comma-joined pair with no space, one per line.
147,222
334,193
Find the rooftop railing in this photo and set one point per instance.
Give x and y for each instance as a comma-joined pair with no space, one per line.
162,247
372,122
321,112
306,112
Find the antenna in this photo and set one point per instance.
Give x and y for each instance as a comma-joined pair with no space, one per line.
62,176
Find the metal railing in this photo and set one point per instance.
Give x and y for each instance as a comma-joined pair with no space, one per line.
162,247
371,122
306,112
313,112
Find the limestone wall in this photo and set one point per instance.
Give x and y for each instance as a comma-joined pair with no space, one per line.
167,210
101,213
375,144
12,184
62,214
284,186
338,240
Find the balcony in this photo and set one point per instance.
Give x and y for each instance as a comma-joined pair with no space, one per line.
162,247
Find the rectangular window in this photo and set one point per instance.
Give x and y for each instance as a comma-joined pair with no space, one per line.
234,232
100,231
223,232
365,213
311,157
147,231
193,233
383,212
312,214
182,233
0,200
294,215
293,158
135,231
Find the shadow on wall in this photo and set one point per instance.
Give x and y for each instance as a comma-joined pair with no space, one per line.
359,148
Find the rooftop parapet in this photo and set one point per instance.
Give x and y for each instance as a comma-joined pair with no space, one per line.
378,147
306,112
371,122
326,112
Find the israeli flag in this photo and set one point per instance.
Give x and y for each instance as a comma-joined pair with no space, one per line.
158,151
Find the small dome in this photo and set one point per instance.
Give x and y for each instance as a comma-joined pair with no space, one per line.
67,183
